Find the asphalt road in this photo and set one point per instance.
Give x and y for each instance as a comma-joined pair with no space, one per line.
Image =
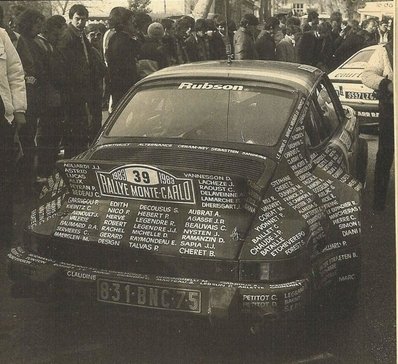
33,332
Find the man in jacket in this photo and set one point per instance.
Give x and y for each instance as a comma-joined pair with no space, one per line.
77,53
12,116
286,48
378,75
244,38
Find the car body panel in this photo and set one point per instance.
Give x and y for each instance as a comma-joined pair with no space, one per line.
352,92
226,230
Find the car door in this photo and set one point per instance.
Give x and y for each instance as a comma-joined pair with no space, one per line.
331,131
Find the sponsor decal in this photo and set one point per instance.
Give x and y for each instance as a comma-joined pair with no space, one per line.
368,114
347,75
208,86
141,182
307,68
345,139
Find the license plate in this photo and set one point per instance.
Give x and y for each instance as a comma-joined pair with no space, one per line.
139,295
359,95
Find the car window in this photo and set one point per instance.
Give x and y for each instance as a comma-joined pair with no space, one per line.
321,120
253,115
359,60
311,126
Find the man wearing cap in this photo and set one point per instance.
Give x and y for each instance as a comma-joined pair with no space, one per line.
244,38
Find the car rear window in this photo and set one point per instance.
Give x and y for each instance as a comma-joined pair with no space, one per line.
360,60
206,111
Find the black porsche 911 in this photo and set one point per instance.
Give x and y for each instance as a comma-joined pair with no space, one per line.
218,190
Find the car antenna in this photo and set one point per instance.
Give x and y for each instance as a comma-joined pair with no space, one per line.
228,46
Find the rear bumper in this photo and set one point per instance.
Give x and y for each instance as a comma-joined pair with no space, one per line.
219,300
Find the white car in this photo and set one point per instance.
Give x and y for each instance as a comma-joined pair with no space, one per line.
352,92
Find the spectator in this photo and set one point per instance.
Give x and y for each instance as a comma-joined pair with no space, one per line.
95,37
29,24
244,37
285,49
279,34
169,40
350,40
78,55
122,54
13,35
152,56
107,102
336,20
378,75
316,47
293,20
197,46
368,33
325,62
12,117
184,27
14,11
265,43
97,81
383,35
52,114
221,40
142,21
210,37
312,21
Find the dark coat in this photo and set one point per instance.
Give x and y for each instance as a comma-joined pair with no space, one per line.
122,55
217,44
369,38
265,46
152,54
309,49
79,72
33,62
196,48
353,43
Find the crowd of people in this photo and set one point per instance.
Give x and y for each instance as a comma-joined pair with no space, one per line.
61,76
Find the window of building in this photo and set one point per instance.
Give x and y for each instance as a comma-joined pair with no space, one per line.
298,9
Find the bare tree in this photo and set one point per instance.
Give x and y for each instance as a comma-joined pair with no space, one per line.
43,6
59,6
139,5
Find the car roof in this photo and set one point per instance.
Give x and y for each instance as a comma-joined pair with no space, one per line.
292,75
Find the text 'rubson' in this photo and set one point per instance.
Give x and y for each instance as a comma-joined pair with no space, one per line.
208,86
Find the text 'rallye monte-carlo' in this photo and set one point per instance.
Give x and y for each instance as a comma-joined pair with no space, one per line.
217,190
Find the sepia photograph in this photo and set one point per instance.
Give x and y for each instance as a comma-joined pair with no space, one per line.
197,181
